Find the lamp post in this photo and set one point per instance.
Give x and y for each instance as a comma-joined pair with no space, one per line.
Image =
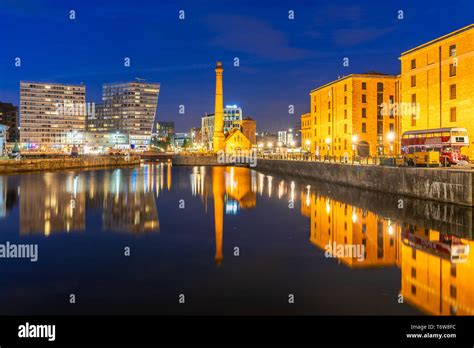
354,144
328,143
391,138
308,145
279,145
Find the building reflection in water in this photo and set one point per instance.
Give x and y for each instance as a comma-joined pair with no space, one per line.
51,203
437,269
8,196
128,202
233,189
125,198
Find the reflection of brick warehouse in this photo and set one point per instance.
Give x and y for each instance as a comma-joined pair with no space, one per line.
431,280
55,205
340,223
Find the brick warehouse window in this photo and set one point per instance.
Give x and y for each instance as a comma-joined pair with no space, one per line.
413,109
364,127
413,63
364,85
452,114
452,70
452,92
452,50
413,81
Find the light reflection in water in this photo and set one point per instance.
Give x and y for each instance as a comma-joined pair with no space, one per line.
437,267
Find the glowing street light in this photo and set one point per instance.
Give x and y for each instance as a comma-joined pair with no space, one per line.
391,139
354,139
328,143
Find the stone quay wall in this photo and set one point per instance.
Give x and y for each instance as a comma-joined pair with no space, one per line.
46,164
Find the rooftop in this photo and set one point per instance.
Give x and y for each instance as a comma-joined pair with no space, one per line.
444,37
370,74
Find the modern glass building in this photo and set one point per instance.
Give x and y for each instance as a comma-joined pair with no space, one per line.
52,115
128,108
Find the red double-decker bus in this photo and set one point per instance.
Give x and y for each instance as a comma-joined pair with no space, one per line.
447,141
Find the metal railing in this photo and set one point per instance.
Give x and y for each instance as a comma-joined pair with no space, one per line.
307,157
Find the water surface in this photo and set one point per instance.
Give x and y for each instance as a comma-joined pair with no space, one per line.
232,241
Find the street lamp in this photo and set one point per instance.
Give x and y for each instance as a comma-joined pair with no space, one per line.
391,138
328,143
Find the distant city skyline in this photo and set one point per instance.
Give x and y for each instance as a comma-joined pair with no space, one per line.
280,59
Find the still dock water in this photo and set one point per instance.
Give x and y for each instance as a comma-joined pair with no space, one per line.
232,241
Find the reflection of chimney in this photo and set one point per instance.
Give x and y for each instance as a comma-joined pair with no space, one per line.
218,189
218,138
